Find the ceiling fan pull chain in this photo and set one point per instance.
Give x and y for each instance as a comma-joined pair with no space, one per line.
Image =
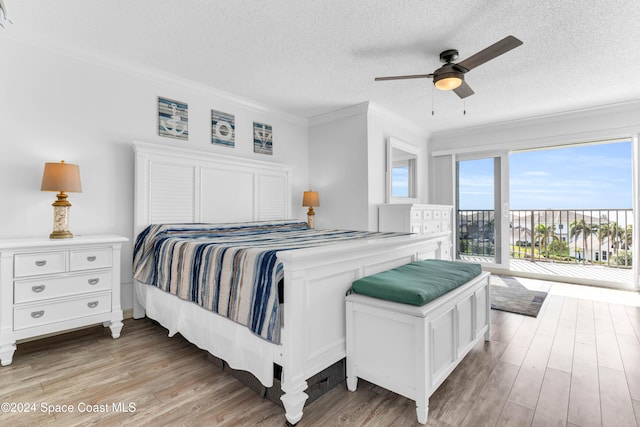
464,107
433,113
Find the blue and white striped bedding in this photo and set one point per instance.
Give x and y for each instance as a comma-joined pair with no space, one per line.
230,269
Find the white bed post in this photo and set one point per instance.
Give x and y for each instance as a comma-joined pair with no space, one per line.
141,217
138,309
293,339
487,334
423,371
352,379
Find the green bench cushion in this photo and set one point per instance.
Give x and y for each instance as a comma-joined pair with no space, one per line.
416,283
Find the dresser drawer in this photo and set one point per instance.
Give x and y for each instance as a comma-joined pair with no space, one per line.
36,290
31,315
38,263
89,259
430,227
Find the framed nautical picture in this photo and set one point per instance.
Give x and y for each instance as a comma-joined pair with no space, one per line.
262,138
173,119
223,128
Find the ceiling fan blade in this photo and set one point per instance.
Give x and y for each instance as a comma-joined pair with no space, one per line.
414,76
493,51
463,90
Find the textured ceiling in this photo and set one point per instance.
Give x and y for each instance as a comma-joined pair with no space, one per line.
307,57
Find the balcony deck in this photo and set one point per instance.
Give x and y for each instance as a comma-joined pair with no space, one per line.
593,275
588,235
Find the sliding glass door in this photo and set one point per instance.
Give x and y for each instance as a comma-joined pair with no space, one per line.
482,220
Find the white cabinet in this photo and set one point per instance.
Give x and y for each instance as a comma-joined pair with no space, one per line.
48,286
420,219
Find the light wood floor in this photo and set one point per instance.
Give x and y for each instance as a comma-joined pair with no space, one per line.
577,364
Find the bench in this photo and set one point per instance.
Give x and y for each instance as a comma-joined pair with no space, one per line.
407,347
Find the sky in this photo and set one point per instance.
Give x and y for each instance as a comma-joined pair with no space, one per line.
400,182
593,176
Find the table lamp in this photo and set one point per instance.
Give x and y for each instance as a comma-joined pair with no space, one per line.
311,199
62,177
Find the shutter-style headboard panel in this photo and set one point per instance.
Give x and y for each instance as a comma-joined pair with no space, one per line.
182,185
171,193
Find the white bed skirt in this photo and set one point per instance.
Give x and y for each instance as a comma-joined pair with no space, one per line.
229,341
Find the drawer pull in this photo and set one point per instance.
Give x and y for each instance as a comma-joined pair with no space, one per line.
92,304
93,281
91,258
38,288
37,314
41,263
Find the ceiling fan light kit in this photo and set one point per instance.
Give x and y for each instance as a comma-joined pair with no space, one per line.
451,75
448,81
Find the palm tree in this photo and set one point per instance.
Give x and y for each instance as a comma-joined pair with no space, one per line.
490,228
544,234
609,231
625,236
619,237
581,227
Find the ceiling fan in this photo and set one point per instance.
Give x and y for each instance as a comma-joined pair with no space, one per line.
451,75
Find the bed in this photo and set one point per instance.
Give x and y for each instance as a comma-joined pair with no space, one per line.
182,186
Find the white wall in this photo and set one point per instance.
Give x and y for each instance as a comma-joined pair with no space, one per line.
383,124
347,152
58,104
338,168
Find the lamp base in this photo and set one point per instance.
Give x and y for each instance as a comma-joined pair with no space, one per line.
311,218
61,218
61,235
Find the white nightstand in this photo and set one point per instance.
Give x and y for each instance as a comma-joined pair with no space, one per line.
49,286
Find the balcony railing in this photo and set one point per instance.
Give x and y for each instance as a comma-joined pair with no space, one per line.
585,236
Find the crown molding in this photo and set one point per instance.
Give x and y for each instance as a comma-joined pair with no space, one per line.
613,122
342,113
152,74
363,108
613,108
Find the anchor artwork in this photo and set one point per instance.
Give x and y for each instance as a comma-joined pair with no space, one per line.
173,119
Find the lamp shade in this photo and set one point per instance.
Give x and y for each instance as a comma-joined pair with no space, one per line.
311,199
61,176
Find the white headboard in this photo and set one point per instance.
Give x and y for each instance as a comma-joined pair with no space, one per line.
174,184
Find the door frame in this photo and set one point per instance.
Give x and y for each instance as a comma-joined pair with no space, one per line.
500,202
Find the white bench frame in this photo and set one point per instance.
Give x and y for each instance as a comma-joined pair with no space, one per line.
411,350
